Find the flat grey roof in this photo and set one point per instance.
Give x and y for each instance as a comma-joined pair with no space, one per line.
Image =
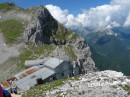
53,62
34,62
43,73
30,80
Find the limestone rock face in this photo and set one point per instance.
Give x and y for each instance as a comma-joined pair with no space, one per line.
41,28
44,29
83,53
97,84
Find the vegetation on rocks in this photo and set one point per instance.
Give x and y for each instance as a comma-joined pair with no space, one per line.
127,88
11,30
110,52
33,52
64,34
7,6
70,52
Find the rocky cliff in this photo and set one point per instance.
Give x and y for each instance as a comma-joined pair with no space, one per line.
33,33
44,29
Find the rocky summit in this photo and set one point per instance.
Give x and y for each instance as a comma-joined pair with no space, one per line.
99,84
42,28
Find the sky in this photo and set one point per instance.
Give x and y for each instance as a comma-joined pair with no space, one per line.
74,6
86,14
115,13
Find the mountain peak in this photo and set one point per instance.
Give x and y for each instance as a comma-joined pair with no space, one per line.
41,28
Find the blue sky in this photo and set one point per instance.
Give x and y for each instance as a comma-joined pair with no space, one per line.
105,13
74,6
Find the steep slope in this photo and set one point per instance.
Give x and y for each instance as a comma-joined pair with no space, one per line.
44,29
110,49
36,34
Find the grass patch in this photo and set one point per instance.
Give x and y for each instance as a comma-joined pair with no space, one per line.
34,52
11,30
25,55
70,52
7,6
64,34
45,49
127,88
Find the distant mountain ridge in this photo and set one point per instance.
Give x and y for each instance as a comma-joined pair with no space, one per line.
110,49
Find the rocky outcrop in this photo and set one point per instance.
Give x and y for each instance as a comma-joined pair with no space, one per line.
97,84
83,54
44,29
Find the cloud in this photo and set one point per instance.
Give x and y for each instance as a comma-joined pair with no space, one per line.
58,13
114,14
127,22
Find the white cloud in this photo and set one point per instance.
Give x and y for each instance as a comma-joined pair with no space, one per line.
120,2
58,13
127,22
114,14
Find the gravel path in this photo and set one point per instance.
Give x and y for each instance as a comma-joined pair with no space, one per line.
7,66
7,52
